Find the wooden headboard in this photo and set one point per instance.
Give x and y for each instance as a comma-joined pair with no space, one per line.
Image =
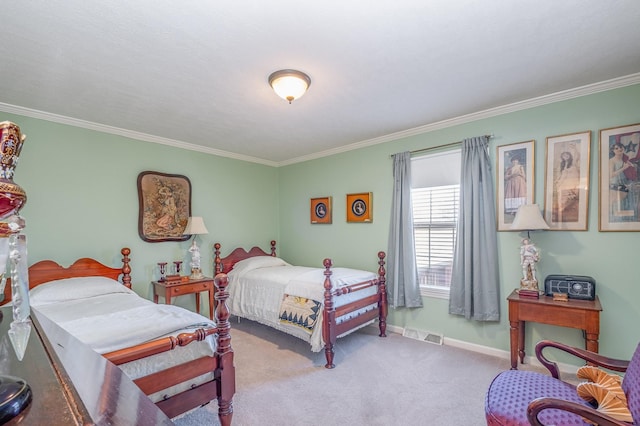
48,270
226,264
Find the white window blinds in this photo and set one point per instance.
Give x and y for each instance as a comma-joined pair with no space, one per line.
435,199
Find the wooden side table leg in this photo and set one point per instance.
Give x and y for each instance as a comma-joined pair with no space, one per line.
198,302
167,297
155,297
591,341
513,343
521,341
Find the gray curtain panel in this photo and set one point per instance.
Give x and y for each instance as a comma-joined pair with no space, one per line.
402,273
475,284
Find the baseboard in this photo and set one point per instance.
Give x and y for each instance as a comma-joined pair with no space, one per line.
502,354
531,360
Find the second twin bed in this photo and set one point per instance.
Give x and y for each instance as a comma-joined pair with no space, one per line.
317,305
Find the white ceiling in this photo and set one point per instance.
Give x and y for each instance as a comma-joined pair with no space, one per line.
194,73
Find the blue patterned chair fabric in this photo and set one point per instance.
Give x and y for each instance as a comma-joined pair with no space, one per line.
522,398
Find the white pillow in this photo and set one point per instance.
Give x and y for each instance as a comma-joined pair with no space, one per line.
74,288
256,262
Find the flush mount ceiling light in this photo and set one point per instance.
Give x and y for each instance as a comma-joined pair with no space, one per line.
289,84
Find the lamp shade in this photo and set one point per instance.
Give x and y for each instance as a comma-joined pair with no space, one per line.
528,218
289,84
195,226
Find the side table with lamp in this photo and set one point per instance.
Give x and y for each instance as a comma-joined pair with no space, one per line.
529,304
172,286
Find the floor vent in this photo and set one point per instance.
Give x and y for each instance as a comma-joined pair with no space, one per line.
425,336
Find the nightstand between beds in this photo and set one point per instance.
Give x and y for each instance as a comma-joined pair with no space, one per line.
170,289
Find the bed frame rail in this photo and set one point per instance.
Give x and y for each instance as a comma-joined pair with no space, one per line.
355,322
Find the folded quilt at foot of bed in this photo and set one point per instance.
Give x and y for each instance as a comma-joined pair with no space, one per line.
299,312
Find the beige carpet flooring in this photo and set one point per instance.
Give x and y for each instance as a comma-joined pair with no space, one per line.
377,381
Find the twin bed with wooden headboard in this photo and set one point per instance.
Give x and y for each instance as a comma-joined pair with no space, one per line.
180,359
315,304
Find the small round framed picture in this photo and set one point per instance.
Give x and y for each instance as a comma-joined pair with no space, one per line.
321,210
360,207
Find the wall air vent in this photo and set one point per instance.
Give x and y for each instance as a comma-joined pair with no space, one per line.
425,336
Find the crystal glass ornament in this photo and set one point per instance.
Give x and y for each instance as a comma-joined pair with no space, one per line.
12,196
163,271
15,393
177,266
21,326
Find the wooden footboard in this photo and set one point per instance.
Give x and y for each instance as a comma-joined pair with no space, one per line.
331,329
222,387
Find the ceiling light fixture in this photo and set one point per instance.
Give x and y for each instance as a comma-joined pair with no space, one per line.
289,84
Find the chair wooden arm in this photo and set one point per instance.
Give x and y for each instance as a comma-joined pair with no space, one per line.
539,404
592,357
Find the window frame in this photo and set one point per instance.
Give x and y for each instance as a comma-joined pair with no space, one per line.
435,291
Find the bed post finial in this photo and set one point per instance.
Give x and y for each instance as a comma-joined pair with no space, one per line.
126,268
217,263
273,248
382,288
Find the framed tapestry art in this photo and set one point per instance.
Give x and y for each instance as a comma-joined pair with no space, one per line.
620,179
321,210
165,206
566,182
359,207
516,180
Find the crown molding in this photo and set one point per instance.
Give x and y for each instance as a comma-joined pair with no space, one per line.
577,92
61,119
590,89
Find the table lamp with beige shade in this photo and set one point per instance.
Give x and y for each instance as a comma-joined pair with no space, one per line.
195,226
528,218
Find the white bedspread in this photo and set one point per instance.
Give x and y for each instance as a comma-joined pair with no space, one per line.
256,289
107,316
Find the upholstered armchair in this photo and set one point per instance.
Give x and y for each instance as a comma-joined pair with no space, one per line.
517,397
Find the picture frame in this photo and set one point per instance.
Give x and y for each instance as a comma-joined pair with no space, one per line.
164,206
515,180
321,211
619,175
566,182
360,207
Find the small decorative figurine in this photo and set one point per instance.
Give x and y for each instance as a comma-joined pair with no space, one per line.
177,265
163,270
529,256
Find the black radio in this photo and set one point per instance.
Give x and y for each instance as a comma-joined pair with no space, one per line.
574,286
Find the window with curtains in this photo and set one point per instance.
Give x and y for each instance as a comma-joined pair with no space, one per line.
435,183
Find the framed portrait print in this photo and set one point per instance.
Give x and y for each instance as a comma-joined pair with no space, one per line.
165,206
566,182
515,180
321,210
619,205
360,207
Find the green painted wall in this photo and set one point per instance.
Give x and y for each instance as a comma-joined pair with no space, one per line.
83,201
607,256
